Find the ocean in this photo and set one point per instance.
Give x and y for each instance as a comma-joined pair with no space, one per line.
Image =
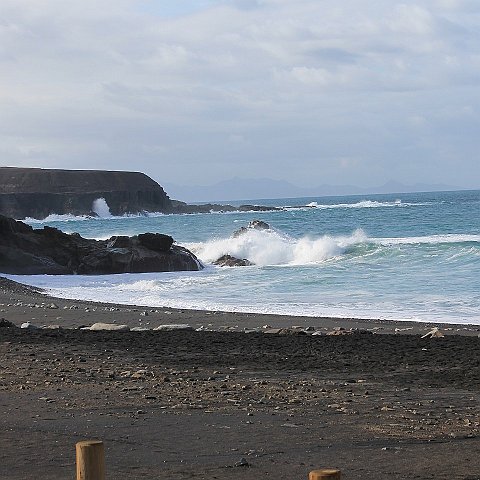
409,256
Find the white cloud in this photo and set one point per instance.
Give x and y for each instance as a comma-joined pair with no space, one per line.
275,83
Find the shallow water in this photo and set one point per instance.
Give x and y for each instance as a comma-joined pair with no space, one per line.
402,256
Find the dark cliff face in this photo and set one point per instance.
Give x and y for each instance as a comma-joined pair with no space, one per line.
37,193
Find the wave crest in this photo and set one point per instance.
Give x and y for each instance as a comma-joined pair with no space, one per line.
269,247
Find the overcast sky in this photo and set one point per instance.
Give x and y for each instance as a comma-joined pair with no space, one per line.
194,92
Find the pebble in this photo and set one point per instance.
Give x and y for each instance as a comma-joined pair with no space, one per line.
242,463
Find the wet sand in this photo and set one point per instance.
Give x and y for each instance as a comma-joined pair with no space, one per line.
378,403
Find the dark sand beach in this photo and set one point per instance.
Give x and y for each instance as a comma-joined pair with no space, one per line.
379,402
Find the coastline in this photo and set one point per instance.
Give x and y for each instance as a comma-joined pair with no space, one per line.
21,303
227,404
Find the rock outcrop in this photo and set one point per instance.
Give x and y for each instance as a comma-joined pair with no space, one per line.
230,261
182,207
37,193
253,225
26,251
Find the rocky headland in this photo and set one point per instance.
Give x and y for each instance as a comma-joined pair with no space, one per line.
38,193
28,251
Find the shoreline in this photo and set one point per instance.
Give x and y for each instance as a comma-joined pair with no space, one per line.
232,405
21,303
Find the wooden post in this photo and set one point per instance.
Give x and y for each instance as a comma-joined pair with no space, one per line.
90,460
327,474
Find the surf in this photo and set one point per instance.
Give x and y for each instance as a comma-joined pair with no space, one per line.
272,247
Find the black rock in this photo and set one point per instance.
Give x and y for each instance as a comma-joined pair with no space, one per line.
25,251
253,225
6,324
37,192
182,207
156,241
230,261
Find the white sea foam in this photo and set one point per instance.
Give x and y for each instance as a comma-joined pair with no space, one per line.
269,247
57,218
428,239
80,218
190,290
361,204
101,208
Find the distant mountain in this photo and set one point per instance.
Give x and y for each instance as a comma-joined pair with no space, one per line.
261,188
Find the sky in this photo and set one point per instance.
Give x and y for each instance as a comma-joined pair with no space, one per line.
195,92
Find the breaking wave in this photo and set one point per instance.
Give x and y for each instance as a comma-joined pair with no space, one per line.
270,247
361,204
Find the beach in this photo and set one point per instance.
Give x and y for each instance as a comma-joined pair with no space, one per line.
373,398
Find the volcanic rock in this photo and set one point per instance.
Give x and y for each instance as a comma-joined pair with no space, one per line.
253,225
173,326
25,251
99,326
37,192
156,241
182,207
6,324
230,261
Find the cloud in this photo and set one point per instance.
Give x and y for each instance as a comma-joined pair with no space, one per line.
193,92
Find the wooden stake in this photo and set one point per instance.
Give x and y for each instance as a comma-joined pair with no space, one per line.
327,474
90,460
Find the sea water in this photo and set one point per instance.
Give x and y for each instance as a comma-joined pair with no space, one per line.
402,257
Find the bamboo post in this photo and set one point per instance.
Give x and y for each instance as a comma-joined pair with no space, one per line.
90,460
326,474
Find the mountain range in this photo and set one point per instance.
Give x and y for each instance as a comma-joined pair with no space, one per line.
236,189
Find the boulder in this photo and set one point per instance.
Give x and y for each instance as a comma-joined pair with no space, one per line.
156,241
25,251
230,261
253,225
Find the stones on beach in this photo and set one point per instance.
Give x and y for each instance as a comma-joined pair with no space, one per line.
107,326
434,333
173,326
338,331
242,463
6,324
285,331
29,326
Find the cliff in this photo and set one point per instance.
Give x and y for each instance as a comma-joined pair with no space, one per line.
37,193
